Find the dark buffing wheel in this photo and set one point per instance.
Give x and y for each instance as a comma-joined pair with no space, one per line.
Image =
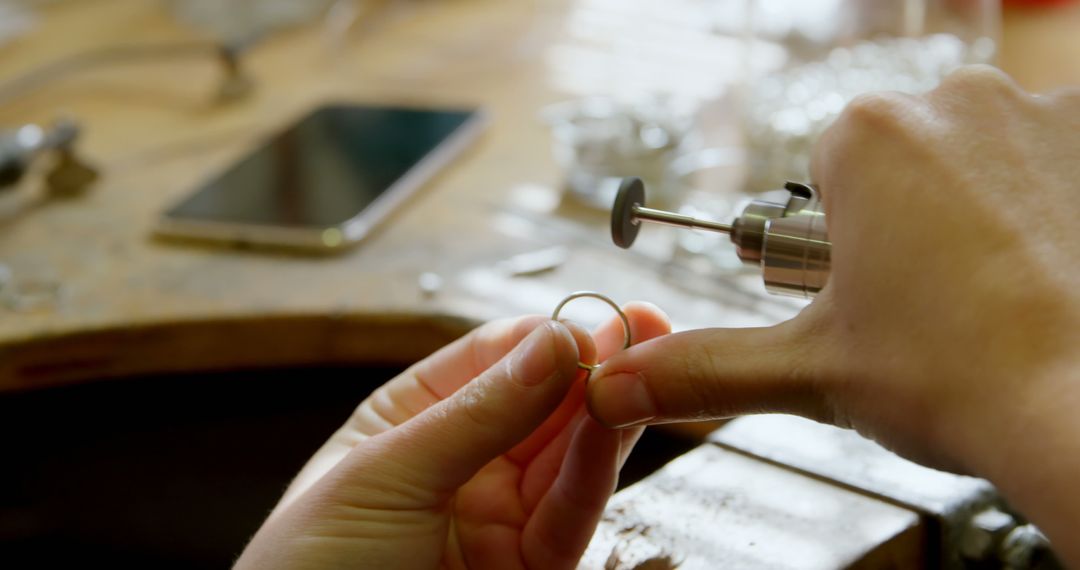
624,227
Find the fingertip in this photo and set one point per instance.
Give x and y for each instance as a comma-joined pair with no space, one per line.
568,340
620,400
647,320
604,398
597,407
523,326
583,339
493,339
644,308
548,352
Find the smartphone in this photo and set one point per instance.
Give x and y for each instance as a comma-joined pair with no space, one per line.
326,182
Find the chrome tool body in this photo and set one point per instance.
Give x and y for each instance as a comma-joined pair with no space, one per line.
789,241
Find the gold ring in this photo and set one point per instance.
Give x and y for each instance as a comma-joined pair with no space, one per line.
622,316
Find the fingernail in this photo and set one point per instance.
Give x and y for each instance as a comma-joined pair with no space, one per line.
623,400
534,359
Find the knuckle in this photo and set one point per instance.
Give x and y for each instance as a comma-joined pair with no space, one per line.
976,75
1065,100
875,125
825,159
869,114
489,342
977,81
876,109
863,122
383,405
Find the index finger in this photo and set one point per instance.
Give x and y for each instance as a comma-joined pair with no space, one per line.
451,367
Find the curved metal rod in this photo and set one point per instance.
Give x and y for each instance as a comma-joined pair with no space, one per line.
622,316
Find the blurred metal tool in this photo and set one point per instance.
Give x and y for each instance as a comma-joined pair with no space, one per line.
597,141
235,83
68,175
789,241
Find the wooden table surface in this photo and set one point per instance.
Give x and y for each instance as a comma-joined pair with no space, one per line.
128,304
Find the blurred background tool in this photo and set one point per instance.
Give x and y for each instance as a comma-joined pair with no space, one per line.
67,175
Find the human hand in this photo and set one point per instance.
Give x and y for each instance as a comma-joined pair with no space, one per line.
949,328
480,456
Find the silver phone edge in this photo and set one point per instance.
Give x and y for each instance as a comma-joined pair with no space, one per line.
352,231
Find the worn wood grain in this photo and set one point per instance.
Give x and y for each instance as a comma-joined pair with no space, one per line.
126,303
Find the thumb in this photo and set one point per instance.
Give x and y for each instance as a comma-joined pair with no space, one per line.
440,449
709,374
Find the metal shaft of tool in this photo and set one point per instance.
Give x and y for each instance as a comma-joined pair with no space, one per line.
679,220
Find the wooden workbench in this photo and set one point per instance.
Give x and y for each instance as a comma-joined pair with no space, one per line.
127,304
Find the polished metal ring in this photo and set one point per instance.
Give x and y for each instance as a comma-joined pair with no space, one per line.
622,316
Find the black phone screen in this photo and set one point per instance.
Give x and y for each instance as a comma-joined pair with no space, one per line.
325,169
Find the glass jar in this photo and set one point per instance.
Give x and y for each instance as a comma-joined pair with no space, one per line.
803,61
814,56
